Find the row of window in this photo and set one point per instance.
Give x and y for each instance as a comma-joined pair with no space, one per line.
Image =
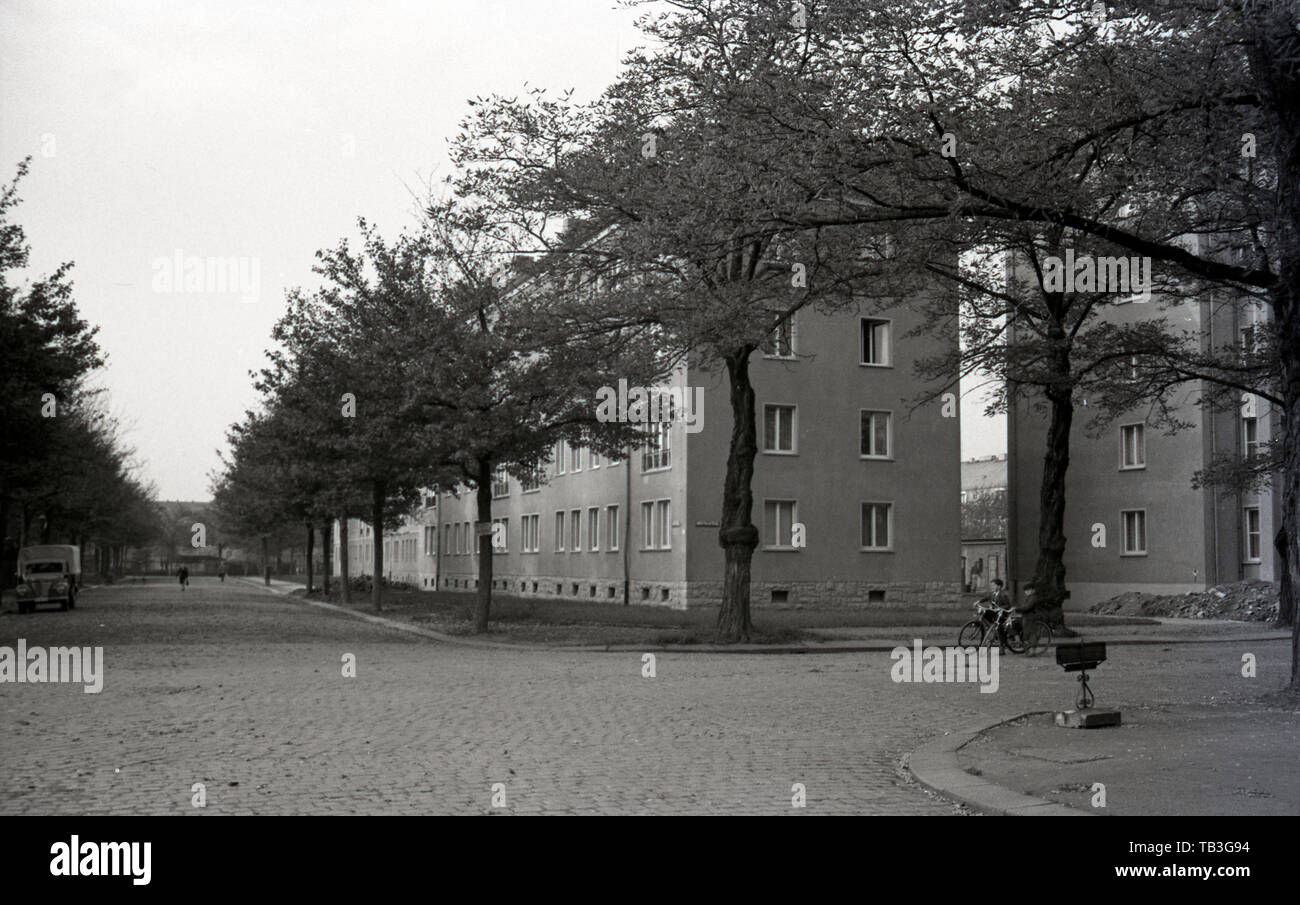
781,432
874,348
571,529
1134,533
779,519
1133,452
594,530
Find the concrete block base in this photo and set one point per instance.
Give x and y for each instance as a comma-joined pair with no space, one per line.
1087,719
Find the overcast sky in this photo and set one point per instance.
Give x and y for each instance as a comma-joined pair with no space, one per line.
256,132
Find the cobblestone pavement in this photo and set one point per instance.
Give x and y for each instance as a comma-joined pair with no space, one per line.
232,687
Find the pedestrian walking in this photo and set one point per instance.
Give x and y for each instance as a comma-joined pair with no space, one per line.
184,576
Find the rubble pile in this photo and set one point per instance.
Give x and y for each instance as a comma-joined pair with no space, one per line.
1245,601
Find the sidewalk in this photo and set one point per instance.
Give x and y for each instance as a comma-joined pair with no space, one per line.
1177,760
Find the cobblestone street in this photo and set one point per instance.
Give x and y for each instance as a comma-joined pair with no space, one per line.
241,690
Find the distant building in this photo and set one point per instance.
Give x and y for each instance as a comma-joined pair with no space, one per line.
983,521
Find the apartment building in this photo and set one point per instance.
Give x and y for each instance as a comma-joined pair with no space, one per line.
1133,520
857,496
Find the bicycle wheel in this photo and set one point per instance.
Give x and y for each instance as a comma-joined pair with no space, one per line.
1038,638
971,634
1015,633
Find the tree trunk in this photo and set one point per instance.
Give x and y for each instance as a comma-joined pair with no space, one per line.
483,495
327,556
266,561
737,534
311,548
1049,569
345,589
377,514
1285,305
1273,54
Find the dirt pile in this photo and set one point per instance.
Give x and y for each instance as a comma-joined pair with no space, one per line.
1246,601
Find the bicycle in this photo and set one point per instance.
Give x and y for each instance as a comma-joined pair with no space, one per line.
1020,633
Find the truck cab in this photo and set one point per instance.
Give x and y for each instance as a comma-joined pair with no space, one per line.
48,573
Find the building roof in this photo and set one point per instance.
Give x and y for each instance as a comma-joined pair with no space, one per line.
984,474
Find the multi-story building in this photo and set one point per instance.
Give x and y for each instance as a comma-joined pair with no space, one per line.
856,495
1133,520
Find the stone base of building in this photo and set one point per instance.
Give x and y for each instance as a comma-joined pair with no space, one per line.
831,594
680,595
671,594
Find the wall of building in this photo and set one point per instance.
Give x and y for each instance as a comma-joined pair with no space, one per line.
829,480
1194,538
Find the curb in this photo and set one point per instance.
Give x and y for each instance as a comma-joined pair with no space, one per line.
935,765
392,623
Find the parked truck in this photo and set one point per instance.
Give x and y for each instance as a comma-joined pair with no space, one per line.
48,573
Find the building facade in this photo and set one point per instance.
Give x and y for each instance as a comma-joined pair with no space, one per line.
856,492
983,521
1133,520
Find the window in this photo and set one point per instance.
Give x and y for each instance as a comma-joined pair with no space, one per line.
876,527
655,525
593,529
1251,333
1135,531
611,526
575,531
778,429
471,545
655,455
1250,437
875,434
559,532
500,482
778,524
575,459
1132,444
1251,533
559,457
780,344
530,533
595,459
875,342
531,482
500,529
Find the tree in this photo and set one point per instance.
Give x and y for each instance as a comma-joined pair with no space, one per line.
48,352
506,379
686,218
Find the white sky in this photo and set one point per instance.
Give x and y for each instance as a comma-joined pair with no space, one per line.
258,131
